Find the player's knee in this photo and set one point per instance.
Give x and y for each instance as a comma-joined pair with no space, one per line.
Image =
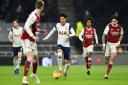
35,58
67,64
59,50
67,61
29,59
59,53
112,59
19,54
89,54
113,54
30,56
84,54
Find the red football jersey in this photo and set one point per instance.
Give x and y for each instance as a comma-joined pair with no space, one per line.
34,27
88,37
113,33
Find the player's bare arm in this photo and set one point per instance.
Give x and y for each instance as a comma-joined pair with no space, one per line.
103,42
10,37
44,31
96,38
50,33
121,37
81,34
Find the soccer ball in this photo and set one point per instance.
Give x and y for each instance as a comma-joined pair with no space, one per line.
56,74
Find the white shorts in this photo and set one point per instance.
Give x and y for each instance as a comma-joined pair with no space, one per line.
86,50
110,48
29,46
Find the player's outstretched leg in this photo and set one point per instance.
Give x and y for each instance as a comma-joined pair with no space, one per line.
18,61
108,70
87,67
107,59
26,67
14,63
110,64
34,70
59,59
66,67
88,63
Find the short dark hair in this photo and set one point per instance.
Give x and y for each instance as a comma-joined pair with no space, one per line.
114,17
16,20
39,4
63,15
88,18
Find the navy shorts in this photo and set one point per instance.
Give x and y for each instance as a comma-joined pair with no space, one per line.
16,50
66,51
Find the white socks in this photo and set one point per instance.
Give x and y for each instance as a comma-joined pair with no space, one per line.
59,60
66,67
17,63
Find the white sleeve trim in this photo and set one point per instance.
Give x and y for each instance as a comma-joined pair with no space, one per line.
95,35
81,34
31,19
106,30
72,32
28,29
121,32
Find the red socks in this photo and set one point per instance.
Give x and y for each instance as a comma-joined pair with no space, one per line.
88,62
108,69
26,67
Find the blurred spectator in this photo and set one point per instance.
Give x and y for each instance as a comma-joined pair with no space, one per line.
47,61
120,49
78,43
86,14
74,61
79,27
20,9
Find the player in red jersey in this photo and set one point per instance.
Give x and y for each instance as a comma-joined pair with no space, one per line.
87,36
29,39
114,33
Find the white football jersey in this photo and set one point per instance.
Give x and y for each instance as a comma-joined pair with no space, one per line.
64,33
16,34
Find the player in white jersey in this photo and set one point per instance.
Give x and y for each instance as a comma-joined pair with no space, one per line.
15,38
65,31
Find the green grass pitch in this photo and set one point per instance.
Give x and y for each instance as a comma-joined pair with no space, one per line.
76,76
